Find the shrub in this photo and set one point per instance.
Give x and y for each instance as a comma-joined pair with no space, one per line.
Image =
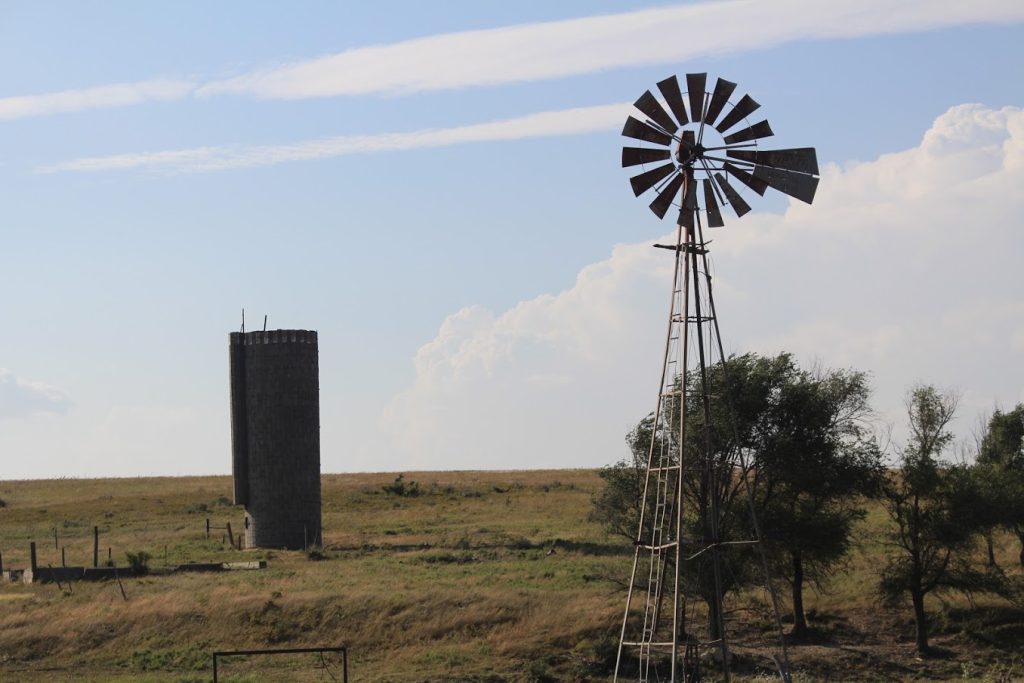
138,562
402,488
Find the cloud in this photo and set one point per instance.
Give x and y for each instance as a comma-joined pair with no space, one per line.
21,398
575,121
586,45
906,266
545,50
98,97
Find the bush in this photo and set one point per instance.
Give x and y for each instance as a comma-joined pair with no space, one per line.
3,503
401,488
138,562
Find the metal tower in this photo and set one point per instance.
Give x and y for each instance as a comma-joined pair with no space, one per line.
679,546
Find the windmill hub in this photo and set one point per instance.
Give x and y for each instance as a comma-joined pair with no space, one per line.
687,154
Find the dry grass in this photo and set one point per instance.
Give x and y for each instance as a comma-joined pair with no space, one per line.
458,583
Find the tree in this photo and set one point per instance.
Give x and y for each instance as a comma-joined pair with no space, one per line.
932,505
1000,469
798,439
817,462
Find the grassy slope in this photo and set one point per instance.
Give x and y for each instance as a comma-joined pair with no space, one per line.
458,583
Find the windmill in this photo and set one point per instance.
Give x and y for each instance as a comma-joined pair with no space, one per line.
694,146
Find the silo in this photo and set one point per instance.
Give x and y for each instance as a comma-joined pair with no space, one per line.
275,436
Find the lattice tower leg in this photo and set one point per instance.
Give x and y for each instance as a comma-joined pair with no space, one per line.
648,635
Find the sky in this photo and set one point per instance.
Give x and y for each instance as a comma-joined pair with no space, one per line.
436,188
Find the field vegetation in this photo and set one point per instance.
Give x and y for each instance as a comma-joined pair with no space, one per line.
434,576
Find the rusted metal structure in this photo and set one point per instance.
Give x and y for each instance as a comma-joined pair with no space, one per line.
687,158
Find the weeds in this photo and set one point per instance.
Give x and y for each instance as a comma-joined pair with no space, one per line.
139,562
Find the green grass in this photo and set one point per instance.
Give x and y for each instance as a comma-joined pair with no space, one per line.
483,576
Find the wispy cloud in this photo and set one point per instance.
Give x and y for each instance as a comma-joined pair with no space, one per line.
590,44
99,97
575,121
20,397
546,50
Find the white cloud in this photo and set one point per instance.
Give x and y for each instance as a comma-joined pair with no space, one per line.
204,159
98,97
585,45
21,398
906,266
545,50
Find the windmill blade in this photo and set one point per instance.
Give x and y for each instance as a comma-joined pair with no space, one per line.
759,130
720,98
664,199
690,198
798,185
648,104
744,108
800,159
695,84
633,156
689,203
711,204
674,97
735,200
755,184
646,132
685,217
646,181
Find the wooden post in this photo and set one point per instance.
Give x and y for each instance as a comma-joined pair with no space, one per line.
231,537
95,546
63,563
1,565
32,556
110,559
207,527
55,546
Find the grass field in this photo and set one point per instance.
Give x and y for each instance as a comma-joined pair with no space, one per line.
484,576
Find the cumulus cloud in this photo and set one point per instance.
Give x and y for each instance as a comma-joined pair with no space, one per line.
906,266
21,398
575,121
585,45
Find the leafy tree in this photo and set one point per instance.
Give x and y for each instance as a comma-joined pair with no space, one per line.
933,507
1000,469
797,439
818,460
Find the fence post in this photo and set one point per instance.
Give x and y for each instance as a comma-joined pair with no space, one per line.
55,546
207,527
231,536
32,557
95,546
63,563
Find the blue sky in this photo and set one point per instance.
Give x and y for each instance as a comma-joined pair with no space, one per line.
484,295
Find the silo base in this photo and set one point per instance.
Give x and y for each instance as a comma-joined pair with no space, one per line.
285,534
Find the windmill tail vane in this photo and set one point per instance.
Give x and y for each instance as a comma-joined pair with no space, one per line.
698,152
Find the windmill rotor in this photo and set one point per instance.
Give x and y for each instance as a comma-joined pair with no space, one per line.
677,145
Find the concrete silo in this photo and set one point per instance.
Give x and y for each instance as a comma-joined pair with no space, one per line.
275,436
